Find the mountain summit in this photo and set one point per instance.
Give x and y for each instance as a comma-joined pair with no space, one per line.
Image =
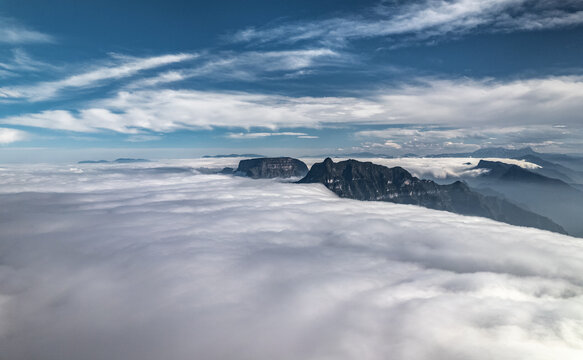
367,181
266,168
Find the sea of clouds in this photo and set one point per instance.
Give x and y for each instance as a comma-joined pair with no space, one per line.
158,261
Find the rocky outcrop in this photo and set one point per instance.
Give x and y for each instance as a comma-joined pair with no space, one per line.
268,168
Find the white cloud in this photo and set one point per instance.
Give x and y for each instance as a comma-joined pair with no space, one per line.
11,32
121,68
256,135
140,264
482,102
420,138
143,138
425,19
248,66
308,137
391,144
8,136
518,112
170,110
162,78
22,62
410,132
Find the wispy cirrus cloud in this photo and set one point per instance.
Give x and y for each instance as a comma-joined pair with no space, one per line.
423,20
120,67
246,66
12,32
249,66
21,62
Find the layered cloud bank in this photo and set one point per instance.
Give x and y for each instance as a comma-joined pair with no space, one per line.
524,104
153,261
432,116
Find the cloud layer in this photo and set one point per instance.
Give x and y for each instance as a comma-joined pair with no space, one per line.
459,139
431,114
422,20
151,261
288,77
170,110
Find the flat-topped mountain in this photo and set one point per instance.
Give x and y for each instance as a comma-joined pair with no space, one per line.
268,168
367,181
116,161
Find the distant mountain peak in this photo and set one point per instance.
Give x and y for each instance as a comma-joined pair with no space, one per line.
116,161
511,172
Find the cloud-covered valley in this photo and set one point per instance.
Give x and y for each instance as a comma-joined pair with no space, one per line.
155,261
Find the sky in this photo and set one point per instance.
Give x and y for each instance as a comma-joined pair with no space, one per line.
155,261
161,79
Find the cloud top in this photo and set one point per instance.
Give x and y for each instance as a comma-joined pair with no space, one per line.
120,261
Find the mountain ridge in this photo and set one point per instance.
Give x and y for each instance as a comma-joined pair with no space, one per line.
371,182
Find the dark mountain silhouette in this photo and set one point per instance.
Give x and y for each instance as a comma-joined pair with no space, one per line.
129,160
544,195
565,162
116,161
367,181
93,162
511,172
553,170
267,168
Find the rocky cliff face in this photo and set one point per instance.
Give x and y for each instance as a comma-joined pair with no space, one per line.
367,181
268,168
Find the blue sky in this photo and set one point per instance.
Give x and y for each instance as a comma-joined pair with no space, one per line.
81,79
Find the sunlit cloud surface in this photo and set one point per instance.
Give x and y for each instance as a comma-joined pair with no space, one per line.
156,261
